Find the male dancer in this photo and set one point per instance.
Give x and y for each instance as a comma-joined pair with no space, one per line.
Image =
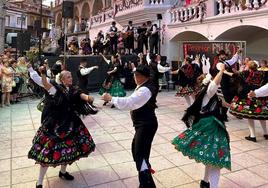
142,106
226,84
82,74
113,38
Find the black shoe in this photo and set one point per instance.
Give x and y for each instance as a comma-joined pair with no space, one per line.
146,179
204,184
265,136
113,106
252,139
39,186
66,176
104,104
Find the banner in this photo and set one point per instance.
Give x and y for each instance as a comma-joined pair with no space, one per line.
211,49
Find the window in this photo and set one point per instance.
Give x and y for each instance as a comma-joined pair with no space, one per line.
7,19
19,21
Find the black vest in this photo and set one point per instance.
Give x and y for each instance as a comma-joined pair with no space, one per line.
195,112
145,115
82,80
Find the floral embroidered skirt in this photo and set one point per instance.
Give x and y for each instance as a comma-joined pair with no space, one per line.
206,142
256,108
116,90
186,91
62,148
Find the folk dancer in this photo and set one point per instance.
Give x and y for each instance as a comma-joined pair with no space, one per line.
142,104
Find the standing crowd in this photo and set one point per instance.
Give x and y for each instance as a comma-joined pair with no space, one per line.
13,79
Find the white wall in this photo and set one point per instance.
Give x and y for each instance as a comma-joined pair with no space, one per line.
13,20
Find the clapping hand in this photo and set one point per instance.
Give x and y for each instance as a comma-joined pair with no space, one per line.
251,94
106,97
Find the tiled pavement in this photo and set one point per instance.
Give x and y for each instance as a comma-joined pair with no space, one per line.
111,164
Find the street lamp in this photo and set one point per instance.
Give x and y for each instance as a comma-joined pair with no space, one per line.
22,20
40,30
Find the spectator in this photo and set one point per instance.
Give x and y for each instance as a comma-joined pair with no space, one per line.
7,79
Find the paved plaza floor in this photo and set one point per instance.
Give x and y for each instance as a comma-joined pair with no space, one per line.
111,164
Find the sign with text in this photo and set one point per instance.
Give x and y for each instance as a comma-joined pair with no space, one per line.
211,49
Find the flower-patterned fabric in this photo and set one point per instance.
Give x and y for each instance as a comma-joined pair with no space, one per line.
256,108
206,142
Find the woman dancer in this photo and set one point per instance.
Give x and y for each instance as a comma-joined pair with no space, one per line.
188,75
255,108
207,141
62,137
112,82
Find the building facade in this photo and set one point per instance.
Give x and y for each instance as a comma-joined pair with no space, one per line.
195,20
2,24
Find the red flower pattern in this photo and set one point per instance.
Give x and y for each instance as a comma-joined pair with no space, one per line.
56,155
248,102
258,110
69,142
236,98
240,108
182,135
85,147
51,144
220,153
193,144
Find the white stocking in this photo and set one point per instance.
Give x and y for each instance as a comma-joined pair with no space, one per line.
264,127
63,169
206,176
42,173
188,100
251,126
214,177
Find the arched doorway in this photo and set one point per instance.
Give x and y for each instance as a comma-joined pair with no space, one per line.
256,39
85,12
59,20
97,6
76,14
174,51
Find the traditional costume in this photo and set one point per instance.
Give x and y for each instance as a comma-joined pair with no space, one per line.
62,137
251,108
207,140
112,82
244,107
142,104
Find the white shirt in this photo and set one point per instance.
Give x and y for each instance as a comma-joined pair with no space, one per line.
154,29
262,91
212,89
162,69
136,100
233,60
38,80
84,71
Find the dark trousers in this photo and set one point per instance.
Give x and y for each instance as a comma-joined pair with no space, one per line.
228,96
153,42
113,45
130,43
142,142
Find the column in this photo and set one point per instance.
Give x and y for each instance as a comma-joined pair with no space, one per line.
2,25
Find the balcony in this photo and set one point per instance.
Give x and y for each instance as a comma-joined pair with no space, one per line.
210,11
140,11
101,18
